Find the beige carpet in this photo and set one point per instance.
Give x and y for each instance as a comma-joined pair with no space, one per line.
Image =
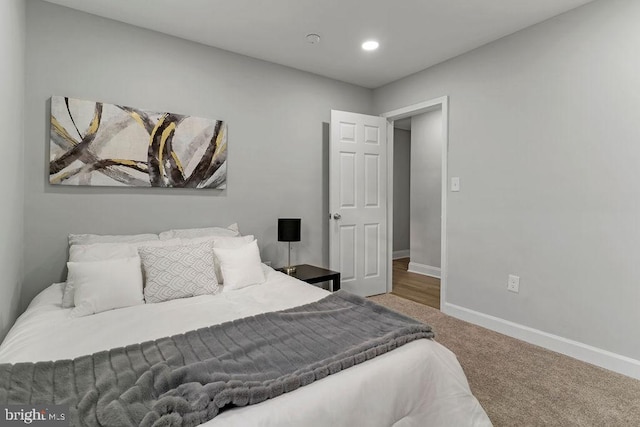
519,384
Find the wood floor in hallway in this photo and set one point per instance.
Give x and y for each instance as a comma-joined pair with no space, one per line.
415,287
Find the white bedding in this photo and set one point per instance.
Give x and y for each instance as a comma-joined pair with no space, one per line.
418,384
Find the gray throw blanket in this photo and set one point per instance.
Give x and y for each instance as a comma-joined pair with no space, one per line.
188,379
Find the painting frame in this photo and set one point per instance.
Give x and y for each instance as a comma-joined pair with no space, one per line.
95,143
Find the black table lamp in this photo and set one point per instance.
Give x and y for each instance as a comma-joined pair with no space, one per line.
289,231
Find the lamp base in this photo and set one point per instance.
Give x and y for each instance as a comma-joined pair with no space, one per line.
289,270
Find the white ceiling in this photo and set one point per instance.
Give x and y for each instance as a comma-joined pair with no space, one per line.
413,34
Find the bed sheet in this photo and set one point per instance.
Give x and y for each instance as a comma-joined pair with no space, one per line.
418,384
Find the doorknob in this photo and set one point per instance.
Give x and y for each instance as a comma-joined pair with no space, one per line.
337,216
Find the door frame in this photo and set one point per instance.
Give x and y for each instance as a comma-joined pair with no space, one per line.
401,113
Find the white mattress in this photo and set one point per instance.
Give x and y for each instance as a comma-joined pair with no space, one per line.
418,384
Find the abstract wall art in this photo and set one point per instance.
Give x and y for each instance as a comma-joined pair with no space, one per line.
100,144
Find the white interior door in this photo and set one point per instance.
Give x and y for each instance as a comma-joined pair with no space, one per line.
358,201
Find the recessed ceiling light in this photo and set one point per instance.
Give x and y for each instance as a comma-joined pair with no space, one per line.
370,45
313,38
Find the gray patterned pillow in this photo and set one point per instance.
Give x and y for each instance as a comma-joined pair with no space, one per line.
178,271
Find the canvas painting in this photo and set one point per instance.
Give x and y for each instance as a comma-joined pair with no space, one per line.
100,144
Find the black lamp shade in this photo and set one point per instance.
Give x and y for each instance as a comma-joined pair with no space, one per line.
289,229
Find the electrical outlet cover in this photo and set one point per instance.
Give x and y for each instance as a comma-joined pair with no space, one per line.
513,284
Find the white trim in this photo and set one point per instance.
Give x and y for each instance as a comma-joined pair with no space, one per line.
419,108
401,254
389,205
615,362
401,113
425,270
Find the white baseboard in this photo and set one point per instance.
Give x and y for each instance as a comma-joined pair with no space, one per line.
605,359
401,254
423,269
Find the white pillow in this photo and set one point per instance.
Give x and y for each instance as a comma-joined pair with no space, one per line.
226,243
156,243
88,239
190,233
234,241
103,252
178,271
241,267
105,285
92,253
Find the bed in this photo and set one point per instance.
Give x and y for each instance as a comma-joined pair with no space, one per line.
419,383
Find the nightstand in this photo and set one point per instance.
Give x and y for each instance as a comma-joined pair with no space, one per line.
312,274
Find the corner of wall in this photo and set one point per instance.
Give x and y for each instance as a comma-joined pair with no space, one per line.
12,69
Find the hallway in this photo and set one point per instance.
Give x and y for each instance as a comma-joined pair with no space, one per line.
415,287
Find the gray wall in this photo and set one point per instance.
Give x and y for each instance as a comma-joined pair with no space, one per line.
401,186
426,188
12,50
277,137
545,135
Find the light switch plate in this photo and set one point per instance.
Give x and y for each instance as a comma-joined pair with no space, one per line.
455,183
